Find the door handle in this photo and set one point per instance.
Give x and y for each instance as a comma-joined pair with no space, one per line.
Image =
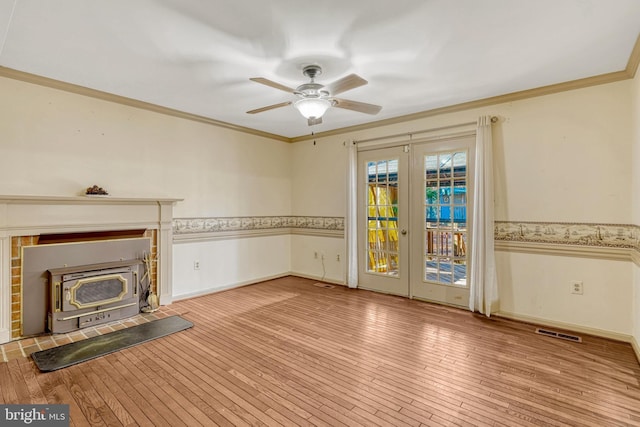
404,232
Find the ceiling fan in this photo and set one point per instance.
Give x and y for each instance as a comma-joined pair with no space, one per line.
315,99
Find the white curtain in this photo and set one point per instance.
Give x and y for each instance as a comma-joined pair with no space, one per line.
484,283
351,223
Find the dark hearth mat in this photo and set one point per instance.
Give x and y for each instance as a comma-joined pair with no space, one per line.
81,351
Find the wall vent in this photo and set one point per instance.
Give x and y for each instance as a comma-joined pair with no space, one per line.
560,335
323,285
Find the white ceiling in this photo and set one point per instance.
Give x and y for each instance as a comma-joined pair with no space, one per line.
197,56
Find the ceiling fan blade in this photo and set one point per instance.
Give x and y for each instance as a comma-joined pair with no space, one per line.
314,121
271,83
344,84
269,107
360,107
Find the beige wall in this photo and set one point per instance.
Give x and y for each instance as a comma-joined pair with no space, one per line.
635,120
558,158
58,143
565,157
319,185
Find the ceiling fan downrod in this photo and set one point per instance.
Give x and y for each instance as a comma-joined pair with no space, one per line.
312,71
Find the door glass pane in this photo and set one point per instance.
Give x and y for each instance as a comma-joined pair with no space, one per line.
431,271
445,230
382,217
444,271
460,192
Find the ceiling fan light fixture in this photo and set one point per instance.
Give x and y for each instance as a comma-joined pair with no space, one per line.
312,107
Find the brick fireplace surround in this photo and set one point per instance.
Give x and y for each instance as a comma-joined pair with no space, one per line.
17,276
24,218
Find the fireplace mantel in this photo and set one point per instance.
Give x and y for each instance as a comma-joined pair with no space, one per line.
26,215
17,198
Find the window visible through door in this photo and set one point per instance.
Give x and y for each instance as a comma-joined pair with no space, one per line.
383,220
445,207
442,203
382,217
415,205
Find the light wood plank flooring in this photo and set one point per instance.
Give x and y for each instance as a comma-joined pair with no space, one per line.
287,352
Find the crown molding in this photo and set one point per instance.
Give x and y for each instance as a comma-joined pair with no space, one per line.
634,59
130,102
628,73
485,102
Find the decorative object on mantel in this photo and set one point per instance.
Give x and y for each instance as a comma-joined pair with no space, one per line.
96,191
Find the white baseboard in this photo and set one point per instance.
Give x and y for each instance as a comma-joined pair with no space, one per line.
603,333
227,287
252,282
165,300
636,347
5,336
318,278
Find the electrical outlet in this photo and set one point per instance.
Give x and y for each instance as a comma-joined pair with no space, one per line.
338,257
196,265
315,255
576,287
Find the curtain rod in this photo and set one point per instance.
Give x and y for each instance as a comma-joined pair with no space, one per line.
494,119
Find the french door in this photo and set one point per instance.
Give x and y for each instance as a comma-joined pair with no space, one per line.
441,207
383,220
415,210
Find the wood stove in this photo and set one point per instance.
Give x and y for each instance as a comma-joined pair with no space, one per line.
90,295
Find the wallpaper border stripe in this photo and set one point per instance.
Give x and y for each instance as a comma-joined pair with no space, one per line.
221,228
594,240
571,234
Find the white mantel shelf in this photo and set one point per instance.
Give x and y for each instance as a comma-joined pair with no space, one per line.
24,215
85,199
30,215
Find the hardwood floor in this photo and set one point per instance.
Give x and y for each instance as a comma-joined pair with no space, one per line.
286,352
